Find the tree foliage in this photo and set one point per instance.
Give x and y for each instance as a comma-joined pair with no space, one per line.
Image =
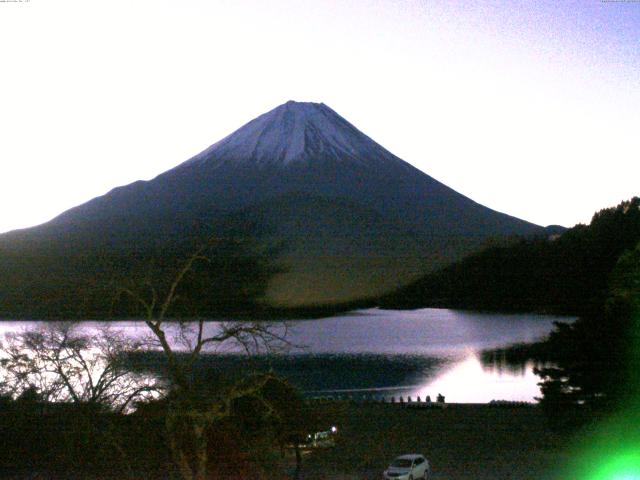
76,279
596,359
564,273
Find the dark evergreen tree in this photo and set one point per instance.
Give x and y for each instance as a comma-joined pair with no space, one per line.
596,359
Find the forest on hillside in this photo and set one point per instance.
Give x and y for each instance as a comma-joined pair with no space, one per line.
565,273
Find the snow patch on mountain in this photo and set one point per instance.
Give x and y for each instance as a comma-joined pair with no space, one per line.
294,132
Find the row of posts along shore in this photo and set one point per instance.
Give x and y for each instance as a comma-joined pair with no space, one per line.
408,401
399,400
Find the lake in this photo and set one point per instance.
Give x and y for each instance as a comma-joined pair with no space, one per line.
384,353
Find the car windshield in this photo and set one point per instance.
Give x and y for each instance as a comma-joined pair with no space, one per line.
401,463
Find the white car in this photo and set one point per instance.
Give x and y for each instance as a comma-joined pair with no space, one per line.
408,467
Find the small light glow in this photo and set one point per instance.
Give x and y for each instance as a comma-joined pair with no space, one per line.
334,429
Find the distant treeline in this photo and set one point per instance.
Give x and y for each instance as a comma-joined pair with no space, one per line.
83,277
565,273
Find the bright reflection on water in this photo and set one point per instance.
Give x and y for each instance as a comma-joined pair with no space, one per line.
453,339
468,381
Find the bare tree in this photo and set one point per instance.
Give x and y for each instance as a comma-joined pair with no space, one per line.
62,364
182,342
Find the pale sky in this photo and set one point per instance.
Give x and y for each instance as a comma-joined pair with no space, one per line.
528,107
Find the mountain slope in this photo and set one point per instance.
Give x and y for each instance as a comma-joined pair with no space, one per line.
331,249
299,147
350,219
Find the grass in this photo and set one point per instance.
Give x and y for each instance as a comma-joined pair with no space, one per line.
462,442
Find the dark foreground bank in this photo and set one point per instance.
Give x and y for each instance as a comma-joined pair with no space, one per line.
461,441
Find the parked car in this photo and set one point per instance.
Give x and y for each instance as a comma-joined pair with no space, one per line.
325,439
408,467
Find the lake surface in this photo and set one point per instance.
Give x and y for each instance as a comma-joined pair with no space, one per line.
384,353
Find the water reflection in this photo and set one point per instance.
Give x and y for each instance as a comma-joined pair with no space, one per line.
461,379
469,381
384,353
428,331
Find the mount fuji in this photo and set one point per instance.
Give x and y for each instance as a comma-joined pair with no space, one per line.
349,219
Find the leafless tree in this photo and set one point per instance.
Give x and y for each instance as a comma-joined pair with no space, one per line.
182,343
62,364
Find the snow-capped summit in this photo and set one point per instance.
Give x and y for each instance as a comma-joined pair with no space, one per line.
294,132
